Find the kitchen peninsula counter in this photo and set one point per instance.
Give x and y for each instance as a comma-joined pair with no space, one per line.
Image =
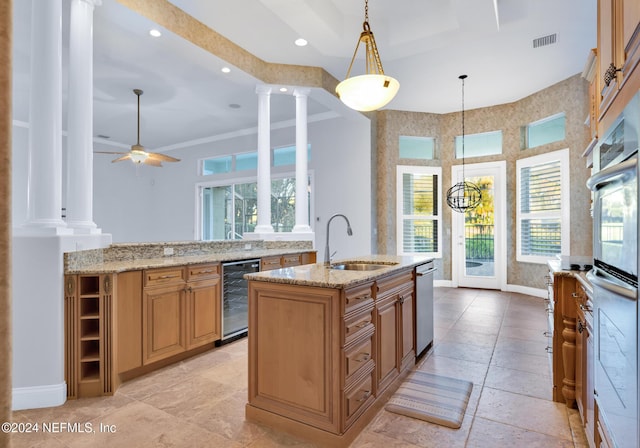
328,347
119,258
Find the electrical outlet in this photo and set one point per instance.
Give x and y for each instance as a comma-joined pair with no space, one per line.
247,246
168,251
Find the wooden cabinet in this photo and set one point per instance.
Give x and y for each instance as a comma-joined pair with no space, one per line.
564,337
585,359
618,55
181,310
319,358
203,309
394,324
87,336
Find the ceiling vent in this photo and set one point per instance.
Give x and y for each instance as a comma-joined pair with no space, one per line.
544,40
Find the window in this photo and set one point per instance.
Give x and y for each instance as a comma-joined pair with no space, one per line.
249,161
543,206
477,145
416,147
229,211
217,165
548,130
419,210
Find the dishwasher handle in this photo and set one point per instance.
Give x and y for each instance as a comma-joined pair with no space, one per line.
427,271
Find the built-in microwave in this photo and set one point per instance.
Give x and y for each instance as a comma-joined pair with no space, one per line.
621,140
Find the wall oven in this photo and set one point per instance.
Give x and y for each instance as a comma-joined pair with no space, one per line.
615,279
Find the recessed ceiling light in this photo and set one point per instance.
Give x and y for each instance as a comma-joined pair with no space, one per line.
155,33
103,136
283,89
225,69
300,42
234,106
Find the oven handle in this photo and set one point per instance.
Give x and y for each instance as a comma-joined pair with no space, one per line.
623,170
596,278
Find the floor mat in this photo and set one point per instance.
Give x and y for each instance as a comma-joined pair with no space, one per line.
434,398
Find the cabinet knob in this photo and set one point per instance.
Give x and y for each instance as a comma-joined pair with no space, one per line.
367,394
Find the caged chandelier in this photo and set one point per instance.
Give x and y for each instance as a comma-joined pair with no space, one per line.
464,195
374,89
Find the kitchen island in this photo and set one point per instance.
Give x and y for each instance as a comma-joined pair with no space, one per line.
329,345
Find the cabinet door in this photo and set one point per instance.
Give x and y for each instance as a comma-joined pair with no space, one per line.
163,323
387,367
581,366
203,313
407,352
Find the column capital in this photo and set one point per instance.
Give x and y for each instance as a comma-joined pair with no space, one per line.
263,89
301,91
92,2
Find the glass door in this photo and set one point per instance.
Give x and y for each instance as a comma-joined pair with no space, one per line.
479,236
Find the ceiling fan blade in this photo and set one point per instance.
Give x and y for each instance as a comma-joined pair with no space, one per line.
120,159
152,162
162,157
109,152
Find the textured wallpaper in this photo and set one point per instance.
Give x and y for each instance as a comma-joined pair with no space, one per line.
569,96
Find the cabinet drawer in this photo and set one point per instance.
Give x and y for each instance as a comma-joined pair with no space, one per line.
358,325
166,276
393,283
357,356
356,298
269,263
357,399
203,271
291,260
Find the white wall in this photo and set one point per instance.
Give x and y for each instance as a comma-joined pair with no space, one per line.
143,203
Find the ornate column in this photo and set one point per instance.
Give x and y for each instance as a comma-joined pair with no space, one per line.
264,160
44,206
302,175
80,118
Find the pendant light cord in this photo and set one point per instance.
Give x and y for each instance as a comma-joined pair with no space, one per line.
462,77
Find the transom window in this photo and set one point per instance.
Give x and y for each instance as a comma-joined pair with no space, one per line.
478,145
416,147
542,132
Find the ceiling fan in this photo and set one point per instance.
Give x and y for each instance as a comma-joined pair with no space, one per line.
138,154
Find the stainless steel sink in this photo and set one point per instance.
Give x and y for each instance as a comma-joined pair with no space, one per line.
358,266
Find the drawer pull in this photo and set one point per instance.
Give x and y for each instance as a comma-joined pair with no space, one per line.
575,295
163,277
363,324
365,357
208,271
367,394
548,349
585,308
580,326
364,297
547,334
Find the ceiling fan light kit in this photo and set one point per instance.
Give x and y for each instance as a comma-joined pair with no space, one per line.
374,89
463,196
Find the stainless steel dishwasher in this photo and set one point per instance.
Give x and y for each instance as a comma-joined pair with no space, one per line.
424,307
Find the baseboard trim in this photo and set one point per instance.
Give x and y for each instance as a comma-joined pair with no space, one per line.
38,396
536,292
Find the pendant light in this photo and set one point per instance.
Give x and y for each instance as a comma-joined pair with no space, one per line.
374,89
464,195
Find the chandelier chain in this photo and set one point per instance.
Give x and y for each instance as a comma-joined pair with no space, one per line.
366,11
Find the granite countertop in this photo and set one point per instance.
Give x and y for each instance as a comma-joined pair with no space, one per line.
581,276
114,267
322,276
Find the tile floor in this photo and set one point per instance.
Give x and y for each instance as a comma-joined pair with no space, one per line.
489,337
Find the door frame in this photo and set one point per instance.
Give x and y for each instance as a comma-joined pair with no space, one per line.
499,281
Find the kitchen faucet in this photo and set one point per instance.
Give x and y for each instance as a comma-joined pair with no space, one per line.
327,252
